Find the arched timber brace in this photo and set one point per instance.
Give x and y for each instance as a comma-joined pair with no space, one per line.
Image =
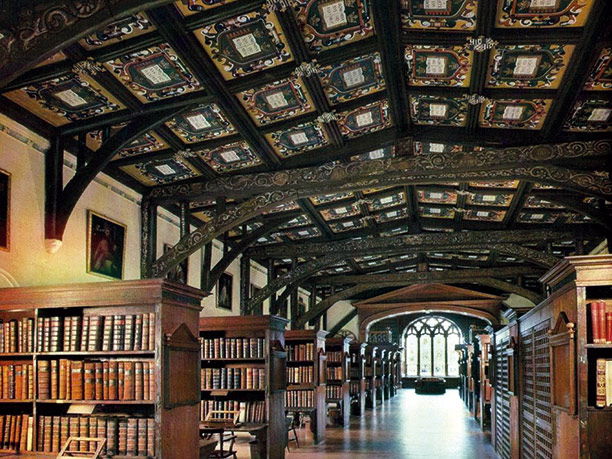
345,320
300,273
34,34
534,163
365,282
239,248
58,212
218,225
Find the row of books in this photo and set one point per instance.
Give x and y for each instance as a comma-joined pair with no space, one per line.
603,394
96,380
299,398
132,332
129,436
250,412
298,352
355,372
335,373
299,375
17,382
335,356
601,322
233,378
354,387
16,432
232,348
333,392
17,335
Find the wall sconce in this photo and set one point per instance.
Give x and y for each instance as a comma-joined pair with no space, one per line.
52,245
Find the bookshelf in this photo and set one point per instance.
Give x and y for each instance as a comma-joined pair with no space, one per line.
484,396
388,355
371,365
575,283
98,359
380,376
306,356
243,367
338,378
357,381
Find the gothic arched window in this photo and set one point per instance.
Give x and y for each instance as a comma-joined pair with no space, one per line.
429,346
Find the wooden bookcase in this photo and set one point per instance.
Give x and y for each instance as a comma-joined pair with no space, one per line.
379,374
573,284
396,372
371,365
484,396
358,380
315,389
164,425
338,361
224,341
387,368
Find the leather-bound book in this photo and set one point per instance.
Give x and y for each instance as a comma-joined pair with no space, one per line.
55,434
128,384
132,440
48,430
120,380
85,334
105,380
43,380
122,437
107,333
152,327
94,333
99,381
144,337
83,432
101,433
151,437
118,330
146,394
89,380
137,344
64,429
128,337
600,383
67,335
141,435
112,380
111,436
75,344
76,380
54,379
138,381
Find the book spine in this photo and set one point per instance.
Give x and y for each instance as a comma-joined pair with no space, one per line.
128,337
107,334
137,345
76,380
119,328
609,327
89,380
151,346
600,391
99,381
151,437
85,334
93,343
43,380
608,382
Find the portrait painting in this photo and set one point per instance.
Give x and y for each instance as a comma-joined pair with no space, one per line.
105,246
224,291
179,272
5,201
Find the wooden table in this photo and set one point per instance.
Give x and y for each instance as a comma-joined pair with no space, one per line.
259,444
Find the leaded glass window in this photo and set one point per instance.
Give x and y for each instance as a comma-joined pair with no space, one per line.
429,347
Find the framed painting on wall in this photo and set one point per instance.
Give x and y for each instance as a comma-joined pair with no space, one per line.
224,291
179,272
5,206
105,246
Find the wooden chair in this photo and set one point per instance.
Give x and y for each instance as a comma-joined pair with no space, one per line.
222,422
291,429
207,447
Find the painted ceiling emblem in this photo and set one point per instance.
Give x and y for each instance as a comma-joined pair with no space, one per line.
353,78
349,210
591,115
203,123
514,114
600,77
434,66
538,217
325,198
438,110
489,199
153,73
303,137
440,14
330,23
437,212
390,215
245,44
130,26
231,157
437,196
543,13
165,171
277,101
369,118
383,202
69,97
528,66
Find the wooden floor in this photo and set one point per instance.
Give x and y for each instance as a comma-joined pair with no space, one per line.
407,426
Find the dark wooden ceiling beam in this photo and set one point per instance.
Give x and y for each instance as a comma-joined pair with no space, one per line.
386,17
429,240
517,163
517,203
